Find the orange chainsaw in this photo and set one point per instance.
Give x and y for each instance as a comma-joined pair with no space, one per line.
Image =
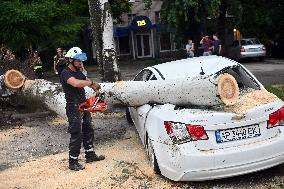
94,104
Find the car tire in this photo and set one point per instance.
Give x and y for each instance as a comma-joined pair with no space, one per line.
128,116
152,156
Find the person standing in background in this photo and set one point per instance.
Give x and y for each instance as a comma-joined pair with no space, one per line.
207,45
189,49
217,47
59,62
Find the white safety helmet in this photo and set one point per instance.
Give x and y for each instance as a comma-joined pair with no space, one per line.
76,53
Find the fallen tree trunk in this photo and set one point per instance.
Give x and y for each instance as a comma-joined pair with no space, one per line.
201,91
194,91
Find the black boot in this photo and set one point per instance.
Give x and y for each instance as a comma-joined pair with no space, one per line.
75,165
92,156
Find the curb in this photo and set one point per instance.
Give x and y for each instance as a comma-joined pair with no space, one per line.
274,61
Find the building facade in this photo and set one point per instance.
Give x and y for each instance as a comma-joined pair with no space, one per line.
141,35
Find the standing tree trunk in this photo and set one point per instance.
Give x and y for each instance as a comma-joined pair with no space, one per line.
222,25
96,27
102,30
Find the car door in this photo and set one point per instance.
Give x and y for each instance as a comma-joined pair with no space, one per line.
139,114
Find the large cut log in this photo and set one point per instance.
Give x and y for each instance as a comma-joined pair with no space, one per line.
192,91
11,82
200,91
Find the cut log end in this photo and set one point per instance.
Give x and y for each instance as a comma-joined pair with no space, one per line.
14,80
228,89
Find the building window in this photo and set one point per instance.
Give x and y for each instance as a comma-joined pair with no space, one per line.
165,41
124,47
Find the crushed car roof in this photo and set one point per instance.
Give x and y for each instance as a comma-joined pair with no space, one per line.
190,67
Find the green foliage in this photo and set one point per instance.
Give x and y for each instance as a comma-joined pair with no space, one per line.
147,3
47,24
40,24
118,7
176,12
258,18
186,15
262,18
278,90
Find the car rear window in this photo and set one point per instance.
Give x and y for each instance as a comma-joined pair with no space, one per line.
243,78
250,42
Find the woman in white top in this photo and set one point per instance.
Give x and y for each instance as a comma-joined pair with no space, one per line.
190,49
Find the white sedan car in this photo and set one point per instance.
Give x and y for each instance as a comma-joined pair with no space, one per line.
204,143
247,48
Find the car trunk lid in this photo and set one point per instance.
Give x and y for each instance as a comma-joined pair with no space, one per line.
253,48
227,129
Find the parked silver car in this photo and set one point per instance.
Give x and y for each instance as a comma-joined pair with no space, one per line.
247,48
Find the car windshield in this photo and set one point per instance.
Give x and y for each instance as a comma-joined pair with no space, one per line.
252,41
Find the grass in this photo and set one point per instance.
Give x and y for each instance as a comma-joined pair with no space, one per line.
277,89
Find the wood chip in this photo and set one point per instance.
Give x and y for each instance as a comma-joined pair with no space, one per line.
250,100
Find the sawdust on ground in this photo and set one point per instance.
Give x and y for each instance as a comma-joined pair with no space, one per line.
58,121
13,132
122,168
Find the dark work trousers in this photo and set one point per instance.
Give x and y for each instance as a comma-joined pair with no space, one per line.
80,128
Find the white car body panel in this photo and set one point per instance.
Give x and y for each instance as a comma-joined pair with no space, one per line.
207,159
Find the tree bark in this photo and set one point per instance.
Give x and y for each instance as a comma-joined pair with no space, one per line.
96,27
102,28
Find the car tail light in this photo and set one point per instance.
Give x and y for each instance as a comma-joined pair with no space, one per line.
197,132
263,47
181,132
168,126
276,118
242,49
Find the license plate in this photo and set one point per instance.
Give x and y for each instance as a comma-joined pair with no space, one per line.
252,50
239,133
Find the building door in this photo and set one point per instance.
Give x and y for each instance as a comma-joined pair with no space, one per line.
143,45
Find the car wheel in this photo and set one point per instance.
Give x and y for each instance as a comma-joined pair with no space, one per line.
152,156
128,116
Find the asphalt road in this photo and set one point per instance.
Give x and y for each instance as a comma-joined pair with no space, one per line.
270,71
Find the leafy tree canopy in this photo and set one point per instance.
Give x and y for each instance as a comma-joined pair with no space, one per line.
118,7
176,12
40,24
260,18
47,24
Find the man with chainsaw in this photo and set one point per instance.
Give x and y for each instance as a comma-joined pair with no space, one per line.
80,124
